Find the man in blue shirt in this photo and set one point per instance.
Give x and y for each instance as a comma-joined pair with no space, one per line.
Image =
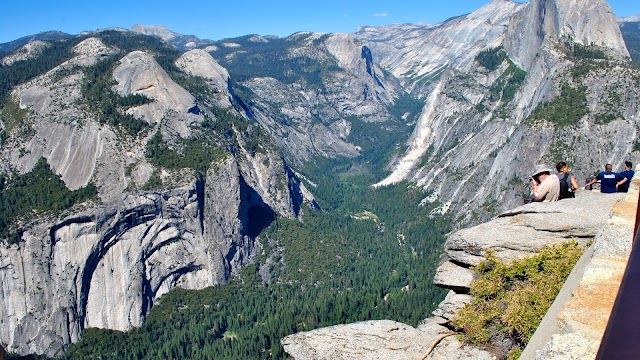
626,175
608,180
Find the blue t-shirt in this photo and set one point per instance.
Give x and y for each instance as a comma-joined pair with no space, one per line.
608,180
629,175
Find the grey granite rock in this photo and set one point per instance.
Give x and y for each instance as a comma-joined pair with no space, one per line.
450,306
521,232
455,277
106,265
364,340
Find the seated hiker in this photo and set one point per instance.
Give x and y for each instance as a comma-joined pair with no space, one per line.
627,175
568,183
545,185
608,180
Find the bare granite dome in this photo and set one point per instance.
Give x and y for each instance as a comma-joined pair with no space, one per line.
139,73
200,63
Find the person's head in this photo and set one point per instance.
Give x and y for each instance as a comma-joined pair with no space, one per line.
628,165
540,172
562,167
608,167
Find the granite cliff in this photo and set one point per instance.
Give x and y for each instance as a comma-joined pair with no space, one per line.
105,262
158,223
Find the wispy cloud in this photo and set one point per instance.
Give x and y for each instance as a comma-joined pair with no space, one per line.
380,14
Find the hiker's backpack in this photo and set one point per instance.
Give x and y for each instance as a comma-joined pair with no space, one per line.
565,188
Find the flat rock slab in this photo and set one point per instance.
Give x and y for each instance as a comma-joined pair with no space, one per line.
521,232
383,339
455,277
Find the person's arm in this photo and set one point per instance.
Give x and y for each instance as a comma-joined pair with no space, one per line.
591,182
534,189
574,183
540,191
624,180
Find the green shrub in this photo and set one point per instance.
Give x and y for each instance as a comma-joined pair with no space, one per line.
508,83
12,115
511,299
196,153
34,194
491,58
566,109
580,51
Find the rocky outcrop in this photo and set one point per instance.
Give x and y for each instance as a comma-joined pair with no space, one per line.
105,266
25,52
201,63
515,234
381,340
452,44
54,126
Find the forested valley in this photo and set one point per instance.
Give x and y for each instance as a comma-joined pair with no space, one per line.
370,256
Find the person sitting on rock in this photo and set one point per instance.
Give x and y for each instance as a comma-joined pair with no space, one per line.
627,174
545,185
608,180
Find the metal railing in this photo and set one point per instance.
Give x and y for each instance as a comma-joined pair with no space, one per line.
621,338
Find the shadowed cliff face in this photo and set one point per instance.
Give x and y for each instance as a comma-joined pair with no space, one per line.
106,266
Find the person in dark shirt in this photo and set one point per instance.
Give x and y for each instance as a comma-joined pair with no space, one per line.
626,175
608,180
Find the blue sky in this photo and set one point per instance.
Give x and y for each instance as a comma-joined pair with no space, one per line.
215,19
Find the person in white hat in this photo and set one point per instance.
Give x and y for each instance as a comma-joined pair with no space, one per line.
545,184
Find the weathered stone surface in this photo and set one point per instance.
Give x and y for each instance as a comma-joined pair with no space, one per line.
588,22
58,129
106,265
454,43
452,276
201,63
380,340
364,340
569,347
453,303
521,232
139,73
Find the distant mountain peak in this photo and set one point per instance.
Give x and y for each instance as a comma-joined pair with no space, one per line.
632,18
160,31
179,41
